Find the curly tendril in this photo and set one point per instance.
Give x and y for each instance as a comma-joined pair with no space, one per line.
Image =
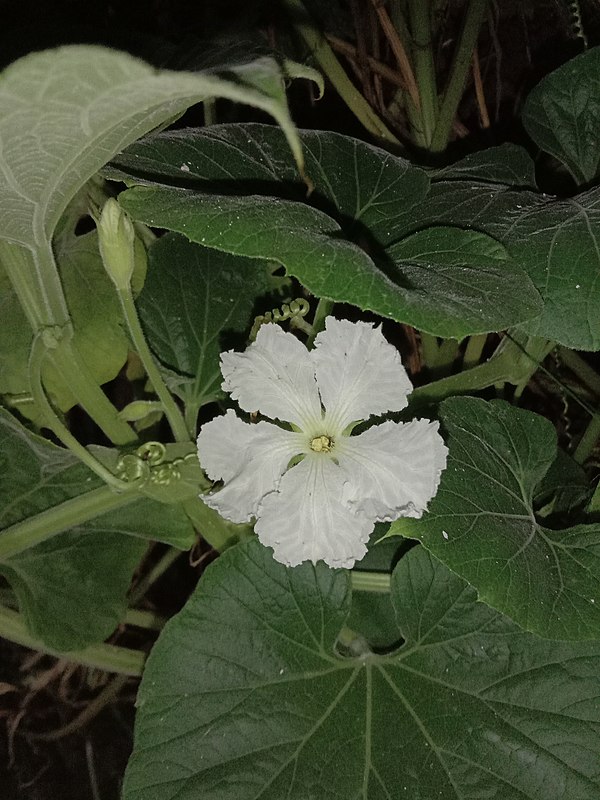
148,465
295,310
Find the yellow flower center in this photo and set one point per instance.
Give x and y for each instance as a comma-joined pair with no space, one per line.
321,444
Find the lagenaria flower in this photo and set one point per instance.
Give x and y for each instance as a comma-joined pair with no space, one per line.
315,490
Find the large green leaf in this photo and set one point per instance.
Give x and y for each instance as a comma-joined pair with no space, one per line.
191,297
65,112
378,201
450,283
481,523
72,587
453,286
244,695
97,321
508,164
562,115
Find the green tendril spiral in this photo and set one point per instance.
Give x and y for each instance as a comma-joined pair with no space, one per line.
293,311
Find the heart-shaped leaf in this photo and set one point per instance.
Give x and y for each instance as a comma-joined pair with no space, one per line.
364,194
245,697
482,524
562,114
192,295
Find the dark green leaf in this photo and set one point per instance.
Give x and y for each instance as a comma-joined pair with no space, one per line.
72,587
508,164
562,114
366,197
481,523
244,696
459,293
193,295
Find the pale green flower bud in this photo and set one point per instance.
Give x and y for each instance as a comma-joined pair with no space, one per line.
116,237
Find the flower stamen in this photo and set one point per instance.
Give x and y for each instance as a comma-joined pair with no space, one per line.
321,444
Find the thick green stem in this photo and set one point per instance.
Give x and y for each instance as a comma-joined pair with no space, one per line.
172,412
474,350
73,369
33,530
461,63
513,362
323,310
497,370
101,656
370,582
447,353
326,59
429,349
36,283
19,265
424,67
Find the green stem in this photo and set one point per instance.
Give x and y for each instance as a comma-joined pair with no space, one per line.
474,350
172,412
370,582
19,265
33,530
36,283
322,311
461,63
420,23
581,368
74,371
101,656
497,370
429,349
446,356
36,358
327,60
140,618
588,441
513,362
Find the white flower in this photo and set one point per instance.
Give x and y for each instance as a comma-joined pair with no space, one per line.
315,490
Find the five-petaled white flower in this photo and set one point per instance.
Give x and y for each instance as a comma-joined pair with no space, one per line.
315,490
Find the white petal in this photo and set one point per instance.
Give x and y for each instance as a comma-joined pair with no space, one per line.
305,521
275,376
392,470
249,459
359,373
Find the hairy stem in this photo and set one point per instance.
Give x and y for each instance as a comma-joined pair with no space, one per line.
29,532
172,412
39,351
101,656
378,582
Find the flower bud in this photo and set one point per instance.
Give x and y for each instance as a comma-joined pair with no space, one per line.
116,238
